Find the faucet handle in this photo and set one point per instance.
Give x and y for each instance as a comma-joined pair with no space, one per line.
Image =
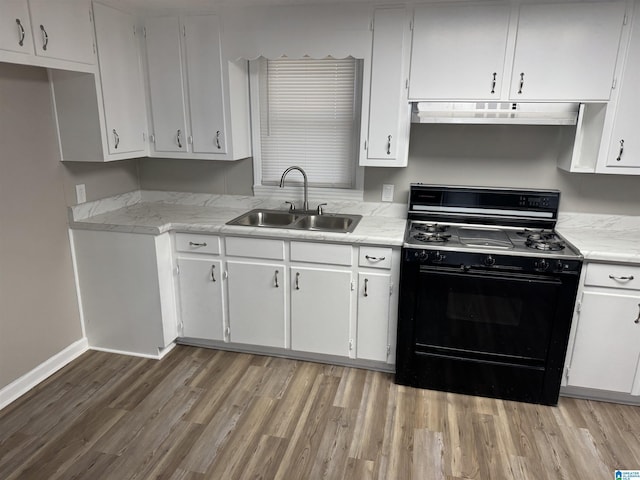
292,206
320,210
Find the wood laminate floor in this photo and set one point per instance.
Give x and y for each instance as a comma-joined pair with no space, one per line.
207,414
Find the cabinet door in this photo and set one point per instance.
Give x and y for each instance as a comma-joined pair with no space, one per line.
373,316
624,148
256,303
566,51
121,79
164,60
204,80
458,52
388,107
201,307
15,27
607,344
63,29
320,310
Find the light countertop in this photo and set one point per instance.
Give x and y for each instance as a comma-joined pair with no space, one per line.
600,238
154,213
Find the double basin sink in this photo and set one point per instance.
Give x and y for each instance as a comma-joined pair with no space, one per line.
305,220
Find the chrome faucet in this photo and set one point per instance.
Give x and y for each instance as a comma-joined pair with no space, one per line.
305,205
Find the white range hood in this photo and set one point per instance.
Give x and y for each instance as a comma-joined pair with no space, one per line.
495,113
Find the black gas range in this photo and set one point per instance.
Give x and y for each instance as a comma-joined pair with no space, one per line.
487,292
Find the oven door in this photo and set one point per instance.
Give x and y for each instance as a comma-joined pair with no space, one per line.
485,315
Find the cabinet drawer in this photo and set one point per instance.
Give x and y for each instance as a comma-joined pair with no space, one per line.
615,276
255,248
375,257
196,243
321,253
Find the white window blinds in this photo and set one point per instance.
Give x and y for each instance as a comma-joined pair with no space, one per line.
309,116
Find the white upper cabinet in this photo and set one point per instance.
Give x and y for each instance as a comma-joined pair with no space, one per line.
204,82
385,118
63,29
46,33
121,80
499,51
15,27
164,60
623,147
192,110
458,51
566,51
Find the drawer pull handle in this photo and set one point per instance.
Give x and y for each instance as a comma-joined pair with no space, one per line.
374,259
213,272
179,138
389,145
366,287
45,37
218,140
621,151
493,83
194,244
276,278
21,32
521,83
297,280
621,279
637,320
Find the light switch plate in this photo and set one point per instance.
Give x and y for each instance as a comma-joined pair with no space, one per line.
387,193
81,193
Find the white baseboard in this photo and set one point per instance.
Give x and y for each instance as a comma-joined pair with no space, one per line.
159,356
22,385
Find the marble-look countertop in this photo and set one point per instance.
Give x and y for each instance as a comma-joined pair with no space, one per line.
600,238
153,213
603,238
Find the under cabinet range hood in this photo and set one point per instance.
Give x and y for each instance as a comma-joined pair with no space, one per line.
495,113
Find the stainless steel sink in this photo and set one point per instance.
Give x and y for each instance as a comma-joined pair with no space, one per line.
264,218
328,222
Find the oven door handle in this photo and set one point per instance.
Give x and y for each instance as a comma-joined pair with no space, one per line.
465,272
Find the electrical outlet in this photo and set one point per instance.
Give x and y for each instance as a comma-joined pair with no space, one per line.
81,193
387,193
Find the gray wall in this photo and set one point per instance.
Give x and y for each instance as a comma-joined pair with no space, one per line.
38,304
504,156
198,176
100,179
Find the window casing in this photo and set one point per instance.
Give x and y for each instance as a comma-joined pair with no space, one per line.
307,113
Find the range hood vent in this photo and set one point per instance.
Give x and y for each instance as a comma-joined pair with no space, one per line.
495,113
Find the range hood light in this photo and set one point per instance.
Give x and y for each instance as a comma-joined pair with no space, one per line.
495,113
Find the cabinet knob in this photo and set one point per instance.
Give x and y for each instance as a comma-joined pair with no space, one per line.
366,287
116,138
45,37
20,32
213,273
276,279
297,280
389,145
637,320
179,138
218,140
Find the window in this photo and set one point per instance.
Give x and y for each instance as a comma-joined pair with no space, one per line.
307,113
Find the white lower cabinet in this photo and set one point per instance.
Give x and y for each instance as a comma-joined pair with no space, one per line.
606,347
201,298
374,294
126,287
256,303
321,310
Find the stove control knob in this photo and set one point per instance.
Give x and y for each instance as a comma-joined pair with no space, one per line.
489,261
423,255
438,257
542,265
559,266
